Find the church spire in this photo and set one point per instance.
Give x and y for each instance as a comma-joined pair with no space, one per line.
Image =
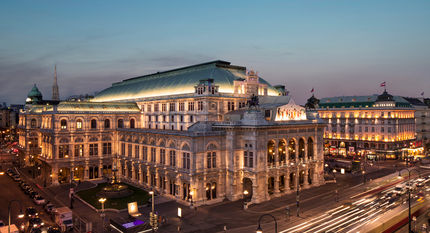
55,94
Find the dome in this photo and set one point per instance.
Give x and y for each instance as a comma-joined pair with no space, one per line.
34,92
178,81
385,97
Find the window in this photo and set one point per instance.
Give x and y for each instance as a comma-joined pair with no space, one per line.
122,149
63,124
164,118
107,124
162,156
230,106
191,118
79,124
153,154
359,129
94,149
172,118
149,108
164,107
93,124
186,160
190,106
248,157
33,123
132,123
120,123
156,107
211,160
181,106
389,129
63,151
172,107
107,148
382,129
172,158
145,153
130,150
136,151
79,150
373,129
210,191
182,118
200,105
366,129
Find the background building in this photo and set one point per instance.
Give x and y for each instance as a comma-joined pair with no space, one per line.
375,126
197,134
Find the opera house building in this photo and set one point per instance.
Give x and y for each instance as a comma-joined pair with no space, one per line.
198,134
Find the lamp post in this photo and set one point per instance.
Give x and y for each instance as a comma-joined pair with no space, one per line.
298,197
191,199
102,200
409,192
260,230
21,215
245,195
153,209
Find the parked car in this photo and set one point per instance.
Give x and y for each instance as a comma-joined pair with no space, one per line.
16,178
33,194
35,230
39,200
49,208
31,212
1,223
28,190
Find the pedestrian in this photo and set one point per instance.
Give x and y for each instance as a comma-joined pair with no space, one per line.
336,196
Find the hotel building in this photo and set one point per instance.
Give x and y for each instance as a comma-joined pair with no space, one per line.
376,125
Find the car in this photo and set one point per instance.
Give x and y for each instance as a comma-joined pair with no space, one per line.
16,178
33,194
28,190
31,212
411,186
35,222
54,230
389,195
35,230
1,223
399,189
49,208
39,200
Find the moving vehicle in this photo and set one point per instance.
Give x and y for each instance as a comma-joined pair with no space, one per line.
64,218
31,212
49,208
35,223
400,189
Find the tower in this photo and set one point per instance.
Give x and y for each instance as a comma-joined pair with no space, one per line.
55,94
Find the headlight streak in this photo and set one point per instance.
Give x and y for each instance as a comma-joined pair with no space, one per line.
364,221
355,211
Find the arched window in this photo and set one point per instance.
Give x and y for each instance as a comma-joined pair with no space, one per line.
270,153
270,185
132,124
211,191
79,124
292,149
282,152
301,148
120,123
63,124
310,148
33,123
93,124
211,159
107,124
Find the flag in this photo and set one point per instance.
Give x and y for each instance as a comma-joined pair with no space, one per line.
383,84
312,91
422,93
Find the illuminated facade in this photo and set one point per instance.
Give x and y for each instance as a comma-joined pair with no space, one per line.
187,133
367,125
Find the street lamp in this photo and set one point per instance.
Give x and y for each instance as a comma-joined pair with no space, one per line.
260,230
21,215
409,192
245,194
153,210
102,200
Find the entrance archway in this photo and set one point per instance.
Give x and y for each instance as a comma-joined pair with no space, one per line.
247,185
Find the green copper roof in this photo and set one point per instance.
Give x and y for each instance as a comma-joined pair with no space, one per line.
34,92
358,101
177,81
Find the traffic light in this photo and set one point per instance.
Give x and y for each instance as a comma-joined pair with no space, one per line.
153,220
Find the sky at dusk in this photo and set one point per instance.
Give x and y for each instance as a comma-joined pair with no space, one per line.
336,47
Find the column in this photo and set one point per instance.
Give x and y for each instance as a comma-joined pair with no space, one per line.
140,175
87,170
101,175
133,174
287,181
276,188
